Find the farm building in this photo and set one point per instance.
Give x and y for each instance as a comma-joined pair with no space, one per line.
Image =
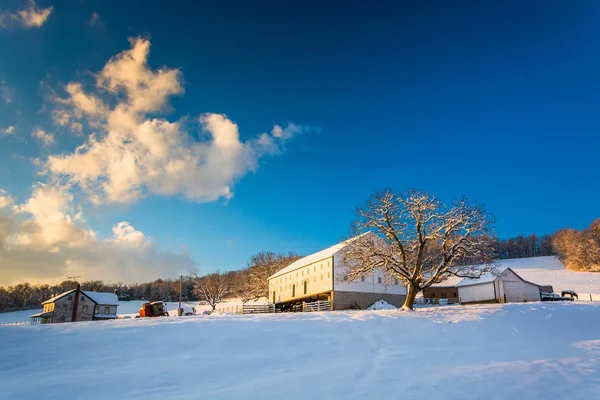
78,305
507,287
319,277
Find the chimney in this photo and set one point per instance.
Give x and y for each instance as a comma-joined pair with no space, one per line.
76,303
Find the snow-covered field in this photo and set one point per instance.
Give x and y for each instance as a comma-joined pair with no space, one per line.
550,271
524,351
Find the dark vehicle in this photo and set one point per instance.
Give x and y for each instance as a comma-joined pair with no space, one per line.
555,297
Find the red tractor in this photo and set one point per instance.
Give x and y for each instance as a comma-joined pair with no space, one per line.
153,309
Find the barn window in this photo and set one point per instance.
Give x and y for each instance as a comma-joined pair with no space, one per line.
302,272
85,308
293,290
379,280
362,278
321,276
314,268
82,298
321,266
328,264
329,274
274,294
296,274
395,281
305,286
432,294
315,279
106,310
97,310
454,294
64,306
70,298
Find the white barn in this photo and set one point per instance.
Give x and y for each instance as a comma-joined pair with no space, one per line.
508,287
319,277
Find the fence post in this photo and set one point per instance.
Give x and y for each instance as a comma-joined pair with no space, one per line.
591,297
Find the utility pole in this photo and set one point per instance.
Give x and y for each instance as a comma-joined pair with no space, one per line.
180,311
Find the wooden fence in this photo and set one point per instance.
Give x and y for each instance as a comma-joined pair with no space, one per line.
319,305
435,300
258,309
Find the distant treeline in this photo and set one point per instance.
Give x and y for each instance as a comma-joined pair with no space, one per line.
578,249
246,283
525,246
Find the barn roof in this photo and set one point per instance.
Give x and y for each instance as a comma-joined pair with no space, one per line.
318,256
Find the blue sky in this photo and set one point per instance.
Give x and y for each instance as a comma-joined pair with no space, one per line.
493,100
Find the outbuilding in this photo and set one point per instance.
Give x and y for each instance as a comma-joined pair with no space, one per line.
506,287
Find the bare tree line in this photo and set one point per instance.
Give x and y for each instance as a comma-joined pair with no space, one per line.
248,283
579,250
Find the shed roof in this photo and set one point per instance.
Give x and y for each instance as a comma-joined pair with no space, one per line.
488,277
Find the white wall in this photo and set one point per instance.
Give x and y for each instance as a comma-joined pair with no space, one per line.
317,275
478,292
371,282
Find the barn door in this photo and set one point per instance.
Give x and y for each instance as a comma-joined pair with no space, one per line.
501,291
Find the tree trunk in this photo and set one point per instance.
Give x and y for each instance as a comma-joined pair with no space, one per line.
214,306
411,294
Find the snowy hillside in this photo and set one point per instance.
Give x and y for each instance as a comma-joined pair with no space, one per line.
525,351
551,271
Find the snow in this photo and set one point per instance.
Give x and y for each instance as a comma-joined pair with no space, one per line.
551,271
381,305
102,298
523,351
484,278
320,255
315,257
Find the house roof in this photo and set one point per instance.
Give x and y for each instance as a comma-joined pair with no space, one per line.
318,256
41,314
58,296
100,298
103,298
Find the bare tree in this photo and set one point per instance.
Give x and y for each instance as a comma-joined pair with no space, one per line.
260,267
211,288
413,237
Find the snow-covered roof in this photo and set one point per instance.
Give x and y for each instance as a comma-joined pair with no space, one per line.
41,314
58,296
318,256
103,298
100,298
485,278
451,281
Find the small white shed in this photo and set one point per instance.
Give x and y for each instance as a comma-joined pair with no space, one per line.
508,287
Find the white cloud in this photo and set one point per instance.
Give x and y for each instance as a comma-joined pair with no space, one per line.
136,154
31,17
43,137
5,91
95,19
8,130
44,239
